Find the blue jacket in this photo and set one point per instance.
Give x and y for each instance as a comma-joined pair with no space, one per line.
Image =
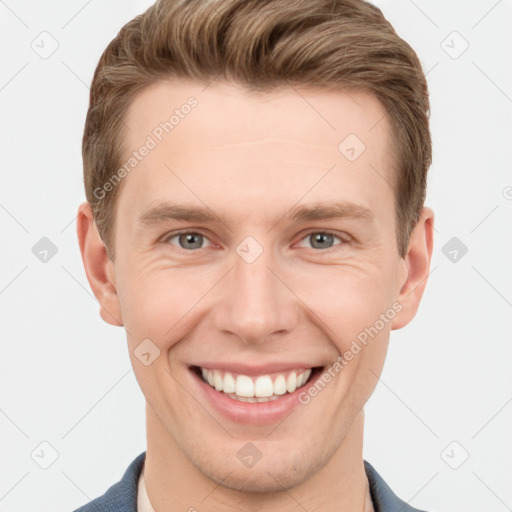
122,496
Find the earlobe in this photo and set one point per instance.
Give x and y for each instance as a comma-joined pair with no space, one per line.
98,266
416,265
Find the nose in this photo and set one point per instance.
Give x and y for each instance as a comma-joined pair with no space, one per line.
256,305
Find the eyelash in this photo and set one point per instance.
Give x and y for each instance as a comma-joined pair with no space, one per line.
170,236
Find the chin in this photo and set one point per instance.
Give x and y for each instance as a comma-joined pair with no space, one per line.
266,476
264,480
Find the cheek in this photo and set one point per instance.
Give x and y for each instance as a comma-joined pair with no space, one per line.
157,303
348,300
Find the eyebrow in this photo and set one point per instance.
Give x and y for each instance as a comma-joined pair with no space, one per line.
164,212
331,211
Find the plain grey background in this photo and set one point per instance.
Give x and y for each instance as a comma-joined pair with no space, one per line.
438,425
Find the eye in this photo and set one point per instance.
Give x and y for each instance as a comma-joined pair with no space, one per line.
188,240
321,240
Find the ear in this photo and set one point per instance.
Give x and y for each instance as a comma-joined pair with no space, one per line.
98,266
416,264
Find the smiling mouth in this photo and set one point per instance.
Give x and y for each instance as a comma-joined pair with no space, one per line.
255,389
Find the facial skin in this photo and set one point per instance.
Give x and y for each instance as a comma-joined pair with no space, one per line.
252,159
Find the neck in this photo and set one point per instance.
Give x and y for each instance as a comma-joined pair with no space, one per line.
173,483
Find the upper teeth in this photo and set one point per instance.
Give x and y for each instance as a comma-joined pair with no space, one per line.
260,387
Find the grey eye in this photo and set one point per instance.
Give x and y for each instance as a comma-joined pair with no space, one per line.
189,241
321,240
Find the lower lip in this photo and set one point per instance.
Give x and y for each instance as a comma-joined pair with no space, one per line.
259,413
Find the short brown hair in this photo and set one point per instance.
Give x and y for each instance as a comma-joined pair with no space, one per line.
261,44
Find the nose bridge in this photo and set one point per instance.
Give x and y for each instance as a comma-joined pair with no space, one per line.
255,304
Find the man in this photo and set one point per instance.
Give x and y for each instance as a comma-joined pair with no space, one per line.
255,174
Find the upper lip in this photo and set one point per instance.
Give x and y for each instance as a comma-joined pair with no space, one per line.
260,369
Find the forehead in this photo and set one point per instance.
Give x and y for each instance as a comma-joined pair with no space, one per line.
225,112
223,140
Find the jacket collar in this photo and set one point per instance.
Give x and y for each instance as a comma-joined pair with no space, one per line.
383,498
122,496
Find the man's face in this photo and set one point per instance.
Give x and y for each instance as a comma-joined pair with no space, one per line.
263,289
